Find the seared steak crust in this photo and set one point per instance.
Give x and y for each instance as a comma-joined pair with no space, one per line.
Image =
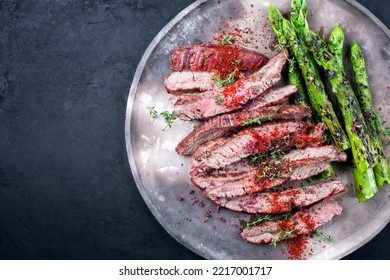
209,58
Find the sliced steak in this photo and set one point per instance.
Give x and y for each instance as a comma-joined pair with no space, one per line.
239,184
302,222
226,99
189,81
329,152
255,140
280,202
220,125
259,177
272,96
201,57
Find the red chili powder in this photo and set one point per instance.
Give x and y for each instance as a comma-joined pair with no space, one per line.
296,247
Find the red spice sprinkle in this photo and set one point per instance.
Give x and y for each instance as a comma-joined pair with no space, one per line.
296,247
180,198
208,213
222,219
191,192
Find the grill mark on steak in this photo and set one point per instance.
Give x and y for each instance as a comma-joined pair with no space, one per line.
255,140
256,178
302,222
280,202
200,57
204,105
220,125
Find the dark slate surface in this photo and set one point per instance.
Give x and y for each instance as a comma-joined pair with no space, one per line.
66,190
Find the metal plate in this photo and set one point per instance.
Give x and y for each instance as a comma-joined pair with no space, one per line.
162,176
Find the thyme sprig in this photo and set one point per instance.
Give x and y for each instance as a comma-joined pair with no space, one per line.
169,117
256,119
227,40
230,78
259,221
282,234
219,100
322,236
274,154
153,112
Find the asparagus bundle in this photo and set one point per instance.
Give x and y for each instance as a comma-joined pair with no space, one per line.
363,93
316,90
363,152
365,183
361,124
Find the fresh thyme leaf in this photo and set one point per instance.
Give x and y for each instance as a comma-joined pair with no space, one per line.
169,118
321,235
287,215
256,119
218,80
227,81
219,100
259,221
253,120
276,153
153,112
247,41
227,40
282,234
263,173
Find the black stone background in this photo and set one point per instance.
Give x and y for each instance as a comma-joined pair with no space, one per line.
66,190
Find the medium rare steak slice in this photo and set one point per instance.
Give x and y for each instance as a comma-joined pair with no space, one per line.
189,81
329,152
272,96
256,140
232,97
239,184
201,57
295,166
302,222
220,125
280,202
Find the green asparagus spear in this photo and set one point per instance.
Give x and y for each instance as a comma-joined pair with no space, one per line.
363,93
299,19
336,45
365,185
365,182
361,143
299,14
315,87
293,73
295,78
